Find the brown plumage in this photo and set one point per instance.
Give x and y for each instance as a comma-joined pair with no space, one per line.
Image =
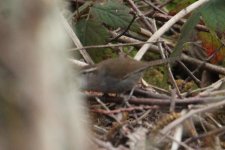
116,75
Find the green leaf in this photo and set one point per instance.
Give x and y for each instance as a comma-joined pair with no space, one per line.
186,32
177,5
112,13
91,32
213,14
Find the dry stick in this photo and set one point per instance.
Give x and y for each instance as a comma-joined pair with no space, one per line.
169,68
208,66
165,102
190,114
167,26
154,7
145,32
111,45
127,28
212,87
202,89
181,143
196,80
173,81
107,109
76,40
132,108
162,52
147,93
178,134
160,90
163,17
77,62
82,8
210,133
186,58
142,16
154,48
207,60
173,103
210,117
214,93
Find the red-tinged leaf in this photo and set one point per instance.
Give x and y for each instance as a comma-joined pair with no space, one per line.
211,44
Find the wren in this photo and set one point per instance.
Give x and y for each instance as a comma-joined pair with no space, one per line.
117,75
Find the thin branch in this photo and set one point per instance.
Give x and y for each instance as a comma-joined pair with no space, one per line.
207,66
167,26
142,16
181,143
163,17
75,39
178,135
77,62
154,7
210,133
107,110
192,113
164,102
128,27
110,45
196,80
132,108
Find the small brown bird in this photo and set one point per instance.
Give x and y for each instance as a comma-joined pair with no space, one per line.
116,75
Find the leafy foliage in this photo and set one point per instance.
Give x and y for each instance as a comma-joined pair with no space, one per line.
91,31
88,36
178,5
185,33
112,13
213,15
211,44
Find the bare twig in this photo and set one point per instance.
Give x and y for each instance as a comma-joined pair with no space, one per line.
172,104
208,66
210,133
196,80
110,45
142,16
180,143
166,102
154,7
75,39
191,113
77,62
107,109
132,108
127,28
163,17
163,55
167,25
178,135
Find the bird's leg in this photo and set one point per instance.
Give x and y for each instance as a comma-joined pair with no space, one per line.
127,98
